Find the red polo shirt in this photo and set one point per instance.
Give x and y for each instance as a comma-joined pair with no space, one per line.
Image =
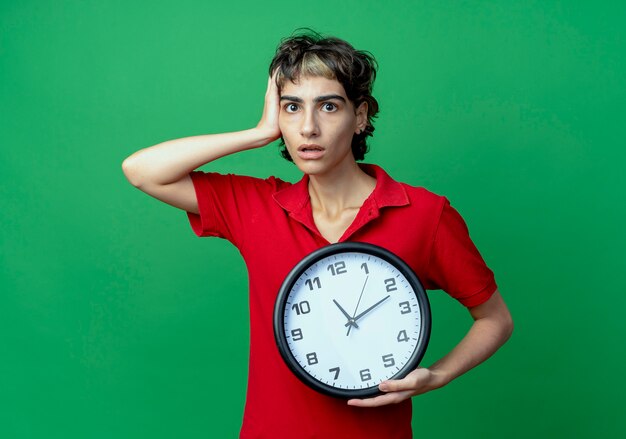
271,223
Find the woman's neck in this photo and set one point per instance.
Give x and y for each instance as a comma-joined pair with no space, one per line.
346,188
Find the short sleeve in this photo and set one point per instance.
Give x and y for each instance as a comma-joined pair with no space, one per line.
225,203
455,264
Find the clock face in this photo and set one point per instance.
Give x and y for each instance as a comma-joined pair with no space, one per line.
349,316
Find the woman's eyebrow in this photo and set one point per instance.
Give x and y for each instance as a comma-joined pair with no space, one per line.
317,99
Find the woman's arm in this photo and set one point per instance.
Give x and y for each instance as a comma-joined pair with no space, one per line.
492,327
162,170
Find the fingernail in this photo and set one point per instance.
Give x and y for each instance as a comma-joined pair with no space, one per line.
384,387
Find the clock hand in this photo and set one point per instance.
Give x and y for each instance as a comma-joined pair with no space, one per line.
351,321
369,309
357,304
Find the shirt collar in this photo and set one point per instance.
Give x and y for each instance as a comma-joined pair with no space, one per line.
387,192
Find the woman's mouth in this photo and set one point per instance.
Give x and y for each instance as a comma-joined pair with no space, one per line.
310,151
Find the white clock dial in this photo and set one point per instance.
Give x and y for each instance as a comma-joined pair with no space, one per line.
352,319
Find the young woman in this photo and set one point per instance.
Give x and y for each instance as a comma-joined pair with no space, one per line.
319,102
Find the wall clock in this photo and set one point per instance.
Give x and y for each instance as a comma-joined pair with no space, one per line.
349,316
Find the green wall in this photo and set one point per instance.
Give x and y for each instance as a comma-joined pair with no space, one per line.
113,315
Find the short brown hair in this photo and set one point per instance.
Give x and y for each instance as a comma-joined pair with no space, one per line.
308,53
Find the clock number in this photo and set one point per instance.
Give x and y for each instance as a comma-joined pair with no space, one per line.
390,284
336,370
337,268
301,308
364,267
406,308
365,375
316,280
388,360
311,358
402,336
296,334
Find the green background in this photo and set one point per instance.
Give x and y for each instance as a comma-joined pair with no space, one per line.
116,321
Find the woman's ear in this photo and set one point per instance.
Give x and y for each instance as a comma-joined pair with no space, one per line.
361,117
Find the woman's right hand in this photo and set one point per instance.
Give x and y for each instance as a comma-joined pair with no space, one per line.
162,170
269,121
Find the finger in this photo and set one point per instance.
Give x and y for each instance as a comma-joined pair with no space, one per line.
411,382
388,398
273,77
270,86
397,385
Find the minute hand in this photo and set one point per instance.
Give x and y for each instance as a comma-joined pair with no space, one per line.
369,309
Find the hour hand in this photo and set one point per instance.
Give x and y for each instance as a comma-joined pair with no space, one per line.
351,321
369,309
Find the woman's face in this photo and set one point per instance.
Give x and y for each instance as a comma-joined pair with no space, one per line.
317,122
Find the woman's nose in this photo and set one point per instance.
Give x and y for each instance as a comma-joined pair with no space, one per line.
309,125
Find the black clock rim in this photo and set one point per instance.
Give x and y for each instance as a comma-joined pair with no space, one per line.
329,250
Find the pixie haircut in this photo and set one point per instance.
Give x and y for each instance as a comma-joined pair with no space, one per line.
311,54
